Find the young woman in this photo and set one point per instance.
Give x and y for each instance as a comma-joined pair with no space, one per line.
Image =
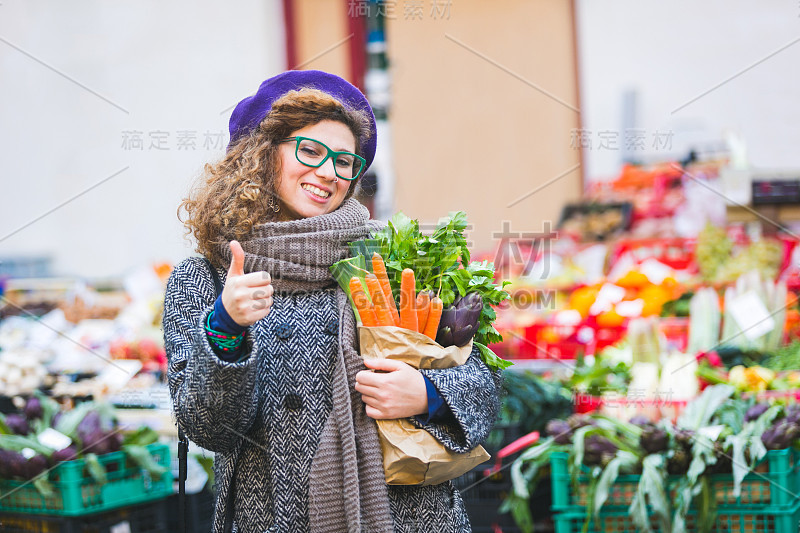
267,372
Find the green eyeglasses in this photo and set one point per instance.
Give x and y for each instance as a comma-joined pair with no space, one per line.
313,153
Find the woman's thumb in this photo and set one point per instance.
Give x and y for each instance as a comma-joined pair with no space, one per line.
237,260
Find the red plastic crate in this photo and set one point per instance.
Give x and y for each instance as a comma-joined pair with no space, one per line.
550,341
677,253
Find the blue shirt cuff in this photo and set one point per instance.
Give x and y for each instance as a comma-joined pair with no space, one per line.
221,321
437,408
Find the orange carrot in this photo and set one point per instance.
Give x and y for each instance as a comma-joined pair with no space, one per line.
423,308
379,269
433,318
379,301
365,309
408,291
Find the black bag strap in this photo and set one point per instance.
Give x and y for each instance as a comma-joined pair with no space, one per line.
215,277
183,441
183,451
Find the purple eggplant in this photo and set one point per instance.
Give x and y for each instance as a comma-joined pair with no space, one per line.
70,453
793,413
598,450
654,439
560,430
33,408
18,424
35,466
678,463
15,464
754,412
578,421
459,321
96,442
640,420
90,424
5,463
780,435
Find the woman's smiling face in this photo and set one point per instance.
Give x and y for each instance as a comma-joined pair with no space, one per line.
305,191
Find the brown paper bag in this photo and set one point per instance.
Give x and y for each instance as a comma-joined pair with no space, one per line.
412,456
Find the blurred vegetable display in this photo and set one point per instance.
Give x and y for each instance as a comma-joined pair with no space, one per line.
719,262
531,401
603,375
718,433
44,436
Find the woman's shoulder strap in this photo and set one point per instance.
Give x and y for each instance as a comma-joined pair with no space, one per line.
214,276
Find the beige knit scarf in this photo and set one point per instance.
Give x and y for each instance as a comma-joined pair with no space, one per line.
347,487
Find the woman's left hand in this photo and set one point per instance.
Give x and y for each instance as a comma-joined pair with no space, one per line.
397,392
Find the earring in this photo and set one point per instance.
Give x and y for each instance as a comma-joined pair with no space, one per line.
272,204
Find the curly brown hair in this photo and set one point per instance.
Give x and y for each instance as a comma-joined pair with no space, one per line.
231,195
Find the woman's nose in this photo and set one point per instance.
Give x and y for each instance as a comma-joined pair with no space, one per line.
326,170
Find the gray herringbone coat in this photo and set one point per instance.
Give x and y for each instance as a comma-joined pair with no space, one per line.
266,413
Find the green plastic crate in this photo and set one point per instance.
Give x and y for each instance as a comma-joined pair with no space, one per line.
775,483
76,493
766,520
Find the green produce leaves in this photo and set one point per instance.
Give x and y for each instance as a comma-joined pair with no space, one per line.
699,412
623,460
652,490
4,429
141,437
18,443
44,486
142,457
491,359
441,264
96,470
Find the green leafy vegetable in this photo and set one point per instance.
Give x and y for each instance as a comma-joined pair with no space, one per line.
652,490
141,437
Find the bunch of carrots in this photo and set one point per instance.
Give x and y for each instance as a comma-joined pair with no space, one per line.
418,312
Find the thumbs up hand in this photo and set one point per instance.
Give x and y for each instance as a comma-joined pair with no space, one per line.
247,297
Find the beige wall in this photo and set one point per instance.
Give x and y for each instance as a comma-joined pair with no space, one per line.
467,133
321,32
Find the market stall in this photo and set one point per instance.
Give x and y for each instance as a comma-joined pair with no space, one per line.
679,352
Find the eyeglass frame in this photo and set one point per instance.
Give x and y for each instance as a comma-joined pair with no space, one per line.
335,154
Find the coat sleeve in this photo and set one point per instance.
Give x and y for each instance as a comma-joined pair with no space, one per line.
471,391
213,400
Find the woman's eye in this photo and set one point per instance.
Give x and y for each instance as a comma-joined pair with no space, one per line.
344,162
308,151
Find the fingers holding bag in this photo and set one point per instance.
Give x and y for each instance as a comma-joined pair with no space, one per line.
396,390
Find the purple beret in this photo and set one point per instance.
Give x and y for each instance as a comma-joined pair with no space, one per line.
252,110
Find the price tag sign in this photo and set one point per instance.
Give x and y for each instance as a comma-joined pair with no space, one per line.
55,440
752,316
